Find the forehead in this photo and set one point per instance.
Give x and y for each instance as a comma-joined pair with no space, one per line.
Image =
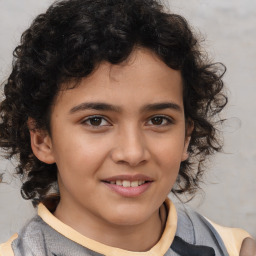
143,78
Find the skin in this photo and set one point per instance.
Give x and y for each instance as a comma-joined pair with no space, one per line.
129,139
248,247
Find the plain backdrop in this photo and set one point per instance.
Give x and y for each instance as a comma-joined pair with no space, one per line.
229,28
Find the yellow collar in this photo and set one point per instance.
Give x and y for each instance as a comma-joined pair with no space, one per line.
159,249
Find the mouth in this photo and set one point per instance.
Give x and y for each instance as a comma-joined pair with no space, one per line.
127,183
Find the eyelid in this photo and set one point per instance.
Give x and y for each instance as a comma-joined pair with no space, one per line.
84,121
88,118
169,120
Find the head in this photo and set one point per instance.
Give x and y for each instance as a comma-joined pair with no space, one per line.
78,40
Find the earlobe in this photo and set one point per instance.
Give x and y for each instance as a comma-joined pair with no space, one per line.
185,154
41,145
189,130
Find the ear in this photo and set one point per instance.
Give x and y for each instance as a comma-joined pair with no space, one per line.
41,143
189,130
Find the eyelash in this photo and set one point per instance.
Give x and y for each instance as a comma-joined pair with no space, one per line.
168,120
88,120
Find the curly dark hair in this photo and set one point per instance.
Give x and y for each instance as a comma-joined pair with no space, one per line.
68,42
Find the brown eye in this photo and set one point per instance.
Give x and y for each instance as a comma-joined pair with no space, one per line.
157,120
95,121
160,121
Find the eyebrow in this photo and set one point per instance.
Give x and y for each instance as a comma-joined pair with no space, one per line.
161,106
108,107
95,106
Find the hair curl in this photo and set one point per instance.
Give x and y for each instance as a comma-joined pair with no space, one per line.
69,41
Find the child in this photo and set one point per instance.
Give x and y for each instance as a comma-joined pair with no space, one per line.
113,103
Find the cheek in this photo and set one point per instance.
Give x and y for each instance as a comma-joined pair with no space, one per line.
168,156
80,157
169,152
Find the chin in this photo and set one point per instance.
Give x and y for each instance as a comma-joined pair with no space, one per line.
127,221
128,217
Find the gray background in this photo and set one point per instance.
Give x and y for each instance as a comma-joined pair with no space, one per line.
230,31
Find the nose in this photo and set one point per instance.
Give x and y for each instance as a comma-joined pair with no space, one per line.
131,148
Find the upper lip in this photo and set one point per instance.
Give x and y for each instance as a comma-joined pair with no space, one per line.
129,178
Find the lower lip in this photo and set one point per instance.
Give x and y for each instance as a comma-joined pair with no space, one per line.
129,191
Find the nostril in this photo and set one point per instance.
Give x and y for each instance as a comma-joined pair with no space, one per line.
130,154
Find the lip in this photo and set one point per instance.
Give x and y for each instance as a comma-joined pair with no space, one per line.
129,191
129,178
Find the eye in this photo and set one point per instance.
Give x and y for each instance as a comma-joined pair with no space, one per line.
95,121
160,121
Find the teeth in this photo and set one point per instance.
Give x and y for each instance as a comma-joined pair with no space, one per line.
135,183
119,183
127,183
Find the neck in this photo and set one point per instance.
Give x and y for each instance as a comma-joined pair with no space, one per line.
140,237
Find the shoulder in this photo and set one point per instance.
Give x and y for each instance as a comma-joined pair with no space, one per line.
232,237
38,238
200,230
6,248
20,243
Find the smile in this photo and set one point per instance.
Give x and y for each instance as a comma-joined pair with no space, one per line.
127,183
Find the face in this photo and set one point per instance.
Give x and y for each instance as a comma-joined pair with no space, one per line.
118,139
